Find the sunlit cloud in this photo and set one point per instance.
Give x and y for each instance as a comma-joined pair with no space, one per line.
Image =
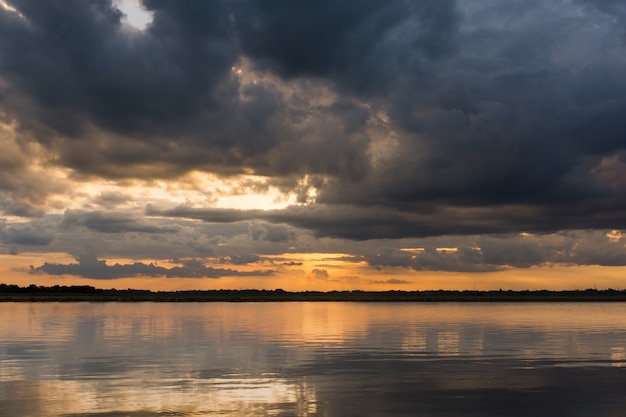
6,6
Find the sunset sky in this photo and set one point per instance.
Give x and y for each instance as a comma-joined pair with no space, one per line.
313,145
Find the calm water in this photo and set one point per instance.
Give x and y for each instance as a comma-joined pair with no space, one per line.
312,359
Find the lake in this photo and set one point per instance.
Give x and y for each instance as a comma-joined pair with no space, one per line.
312,359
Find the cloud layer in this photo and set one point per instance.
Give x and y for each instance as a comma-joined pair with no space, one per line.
381,124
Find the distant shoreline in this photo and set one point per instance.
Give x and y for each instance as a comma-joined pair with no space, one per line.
33,293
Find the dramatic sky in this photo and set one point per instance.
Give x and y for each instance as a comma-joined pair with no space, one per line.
355,144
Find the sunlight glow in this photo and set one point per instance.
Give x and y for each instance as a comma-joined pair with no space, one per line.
447,249
293,272
136,16
195,189
615,236
419,250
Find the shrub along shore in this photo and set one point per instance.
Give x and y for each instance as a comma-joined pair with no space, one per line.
34,293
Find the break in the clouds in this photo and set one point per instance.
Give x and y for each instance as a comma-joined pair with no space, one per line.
241,129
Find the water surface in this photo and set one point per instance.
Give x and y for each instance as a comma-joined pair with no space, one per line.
312,359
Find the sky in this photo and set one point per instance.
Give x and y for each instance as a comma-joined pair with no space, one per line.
327,145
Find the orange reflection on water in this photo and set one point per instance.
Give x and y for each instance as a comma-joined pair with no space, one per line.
618,356
236,396
240,359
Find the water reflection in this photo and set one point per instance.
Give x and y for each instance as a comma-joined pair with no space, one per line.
310,359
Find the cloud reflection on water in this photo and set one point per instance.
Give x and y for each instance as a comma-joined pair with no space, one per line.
306,359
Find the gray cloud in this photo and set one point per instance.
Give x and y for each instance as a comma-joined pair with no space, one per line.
233,244
113,222
28,234
110,200
492,253
393,281
320,273
242,259
89,266
270,232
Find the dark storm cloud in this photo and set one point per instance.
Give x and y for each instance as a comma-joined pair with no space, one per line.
89,266
75,60
334,221
409,118
511,116
360,47
118,103
364,223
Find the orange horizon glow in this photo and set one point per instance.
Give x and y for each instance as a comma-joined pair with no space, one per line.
322,272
